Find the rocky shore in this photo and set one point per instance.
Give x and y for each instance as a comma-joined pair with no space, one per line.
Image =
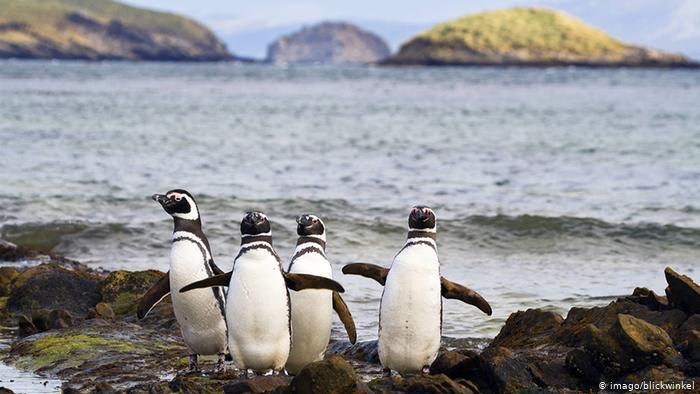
79,324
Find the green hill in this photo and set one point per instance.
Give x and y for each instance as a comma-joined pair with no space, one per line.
101,29
525,36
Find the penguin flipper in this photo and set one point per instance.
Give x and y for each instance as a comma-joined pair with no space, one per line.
344,314
215,268
299,282
371,271
222,280
153,296
464,294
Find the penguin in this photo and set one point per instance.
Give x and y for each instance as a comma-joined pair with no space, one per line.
410,312
312,310
200,314
257,302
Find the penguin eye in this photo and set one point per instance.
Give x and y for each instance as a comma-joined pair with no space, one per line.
178,198
314,221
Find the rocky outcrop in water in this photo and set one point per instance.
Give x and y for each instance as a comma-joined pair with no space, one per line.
527,37
97,344
328,43
101,29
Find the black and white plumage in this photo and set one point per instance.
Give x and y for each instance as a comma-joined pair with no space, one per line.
410,317
200,314
312,310
257,303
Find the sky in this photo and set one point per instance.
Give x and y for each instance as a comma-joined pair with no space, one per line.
248,27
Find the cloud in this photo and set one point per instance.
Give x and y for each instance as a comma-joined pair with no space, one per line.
684,22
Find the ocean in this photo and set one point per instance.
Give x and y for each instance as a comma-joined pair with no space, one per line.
553,188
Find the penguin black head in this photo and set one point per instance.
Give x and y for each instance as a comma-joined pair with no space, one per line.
421,218
178,203
255,223
311,226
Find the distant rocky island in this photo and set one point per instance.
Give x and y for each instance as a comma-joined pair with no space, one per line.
527,37
101,30
328,43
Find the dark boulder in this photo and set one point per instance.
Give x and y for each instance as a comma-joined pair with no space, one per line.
527,329
504,372
682,292
50,286
428,384
645,344
580,363
258,385
7,276
653,301
26,326
455,364
332,375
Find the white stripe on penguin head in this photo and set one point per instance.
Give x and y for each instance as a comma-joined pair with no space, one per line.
193,214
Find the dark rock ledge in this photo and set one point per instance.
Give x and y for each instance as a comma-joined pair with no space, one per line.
78,324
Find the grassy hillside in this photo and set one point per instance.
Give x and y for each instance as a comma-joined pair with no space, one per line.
523,36
101,29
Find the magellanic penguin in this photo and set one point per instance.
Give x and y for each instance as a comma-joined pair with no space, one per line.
201,313
257,303
410,313
312,310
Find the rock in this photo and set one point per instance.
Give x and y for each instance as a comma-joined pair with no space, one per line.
526,36
258,385
7,275
527,329
503,372
644,343
579,363
606,353
684,332
4,390
12,252
656,374
682,292
332,375
367,351
59,319
26,326
103,388
328,43
693,347
50,286
644,296
104,311
122,289
434,384
454,364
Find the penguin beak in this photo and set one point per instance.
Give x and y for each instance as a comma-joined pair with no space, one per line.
162,199
303,220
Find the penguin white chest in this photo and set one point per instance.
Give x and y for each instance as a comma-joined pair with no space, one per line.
410,312
198,312
312,314
257,310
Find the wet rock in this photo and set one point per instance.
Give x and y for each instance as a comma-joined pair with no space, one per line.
367,351
4,390
682,292
644,296
693,347
12,252
454,364
7,276
551,371
683,333
103,388
580,364
332,375
434,384
644,343
504,372
195,384
50,286
26,326
654,374
104,311
527,329
258,385
122,289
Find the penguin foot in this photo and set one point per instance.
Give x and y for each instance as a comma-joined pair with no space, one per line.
193,367
220,366
243,374
386,372
276,372
425,370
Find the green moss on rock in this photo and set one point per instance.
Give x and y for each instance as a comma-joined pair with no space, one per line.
122,289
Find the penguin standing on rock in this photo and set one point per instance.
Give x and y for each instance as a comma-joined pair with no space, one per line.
257,303
312,310
410,313
201,313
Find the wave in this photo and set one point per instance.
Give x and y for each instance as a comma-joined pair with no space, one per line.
45,237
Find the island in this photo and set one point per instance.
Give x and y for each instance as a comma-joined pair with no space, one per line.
525,36
102,30
328,43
